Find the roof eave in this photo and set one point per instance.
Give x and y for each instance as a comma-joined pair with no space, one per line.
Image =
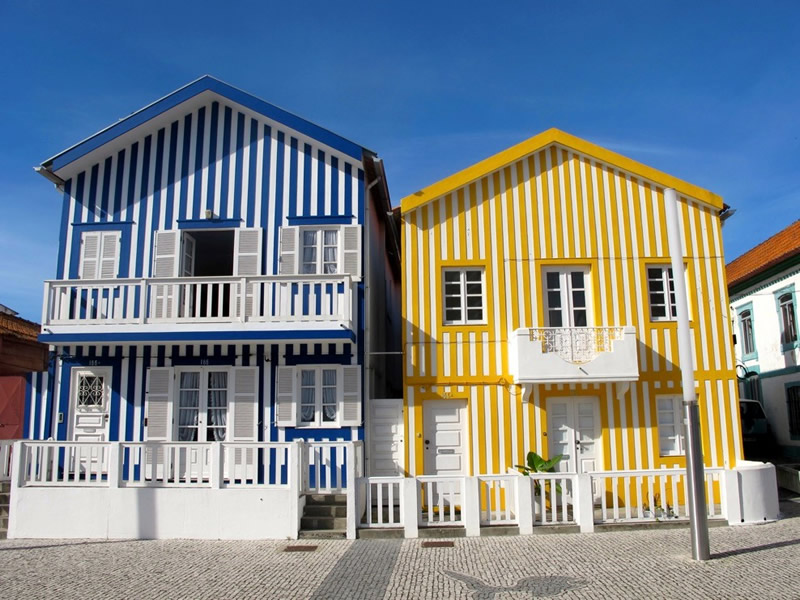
542,140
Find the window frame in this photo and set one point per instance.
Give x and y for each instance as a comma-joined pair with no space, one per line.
319,385
787,292
565,291
667,277
464,295
747,309
320,248
677,423
203,391
102,235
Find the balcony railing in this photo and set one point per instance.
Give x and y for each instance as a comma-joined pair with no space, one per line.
570,354
271,298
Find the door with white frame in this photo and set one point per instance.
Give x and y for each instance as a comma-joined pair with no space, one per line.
201,415
386,437
445,446
90,404
573,431
567,298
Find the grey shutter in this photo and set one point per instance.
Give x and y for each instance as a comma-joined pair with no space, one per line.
289,250
158,404
245,404
247,260
109,254
286,397
351,250
350,409
90,254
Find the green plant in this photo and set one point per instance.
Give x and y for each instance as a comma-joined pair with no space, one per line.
536,464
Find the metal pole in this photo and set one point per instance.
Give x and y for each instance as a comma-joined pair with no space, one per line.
695,480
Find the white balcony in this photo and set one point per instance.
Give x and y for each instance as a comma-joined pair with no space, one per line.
573,354
274,301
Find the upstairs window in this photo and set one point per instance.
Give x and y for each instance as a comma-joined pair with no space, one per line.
320,254
99,254
661,289
670,431
747,332
788,319
566,297
793,407
463,297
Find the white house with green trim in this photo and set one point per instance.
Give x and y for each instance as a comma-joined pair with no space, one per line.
764,287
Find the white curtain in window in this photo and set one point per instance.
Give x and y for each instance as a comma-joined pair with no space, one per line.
307,400
329,395
309,252
217,405
329,251
188,407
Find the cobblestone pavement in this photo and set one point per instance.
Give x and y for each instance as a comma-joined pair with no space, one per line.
748,562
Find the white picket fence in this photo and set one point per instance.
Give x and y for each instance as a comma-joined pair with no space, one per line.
498,499
552,498
324,466
440,500
383,506
5,459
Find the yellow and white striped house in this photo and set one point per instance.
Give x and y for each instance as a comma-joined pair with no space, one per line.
537,316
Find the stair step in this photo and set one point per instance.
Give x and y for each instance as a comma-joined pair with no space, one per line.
4,523
499,530
3,534
323,534
5,487
326,499
5,498
381,533
324,510
317,523
442,532
4,508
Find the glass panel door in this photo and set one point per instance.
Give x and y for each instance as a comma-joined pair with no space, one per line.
217,406
189,406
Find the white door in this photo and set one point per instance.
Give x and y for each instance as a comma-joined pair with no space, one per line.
444,431
574,432
386,443
91,393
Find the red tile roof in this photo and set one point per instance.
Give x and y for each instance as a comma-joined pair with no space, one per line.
781,246
18,327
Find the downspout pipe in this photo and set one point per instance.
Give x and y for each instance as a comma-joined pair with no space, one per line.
695,478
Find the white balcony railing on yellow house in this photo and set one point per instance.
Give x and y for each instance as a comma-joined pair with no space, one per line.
259,299
573,354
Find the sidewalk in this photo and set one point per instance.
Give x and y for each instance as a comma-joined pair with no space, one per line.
748,562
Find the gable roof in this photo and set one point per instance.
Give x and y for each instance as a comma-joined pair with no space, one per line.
780,247
203,84
544,139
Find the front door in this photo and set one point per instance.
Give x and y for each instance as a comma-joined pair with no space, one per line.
574,432
91,394
444,428
386,443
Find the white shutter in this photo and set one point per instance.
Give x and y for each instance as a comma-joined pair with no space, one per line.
350,409
158,405
90,254
165,253
247,260
109,254
286,397
351,250
289,250
245,404
187,254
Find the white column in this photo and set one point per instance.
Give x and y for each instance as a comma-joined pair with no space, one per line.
471,507
350,474
409,506
525,504
584,505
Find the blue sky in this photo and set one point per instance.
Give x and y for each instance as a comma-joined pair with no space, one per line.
706,91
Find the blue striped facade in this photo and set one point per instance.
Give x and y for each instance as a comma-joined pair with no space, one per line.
214,149
48,393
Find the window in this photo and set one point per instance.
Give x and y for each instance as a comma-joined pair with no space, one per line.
463,296
320,251
670,425
793,408
746,332
318,396
661,288
566,297
90,390
202,405
99,254
787,316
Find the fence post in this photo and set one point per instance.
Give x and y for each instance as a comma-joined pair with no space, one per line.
408,505
217,465
295,483
584,502
471,506
17,481
350,475
114,466
525,504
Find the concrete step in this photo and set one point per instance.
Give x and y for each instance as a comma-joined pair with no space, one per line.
5,498
4,508
326,499
317,523
499,530
324,510
442,532
5,487
3,534
323,534
380,533
4,523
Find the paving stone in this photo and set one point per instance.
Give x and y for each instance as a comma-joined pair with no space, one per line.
758,561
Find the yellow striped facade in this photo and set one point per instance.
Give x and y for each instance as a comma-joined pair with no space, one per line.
558,200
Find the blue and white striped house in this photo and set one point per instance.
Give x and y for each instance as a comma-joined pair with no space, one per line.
227,272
